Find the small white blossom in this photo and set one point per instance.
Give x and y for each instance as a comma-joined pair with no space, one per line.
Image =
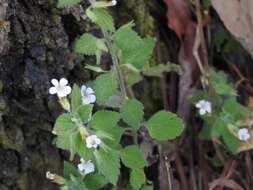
114,2
50,176
204,107
93,141
86,166
243,134
88,96
61,88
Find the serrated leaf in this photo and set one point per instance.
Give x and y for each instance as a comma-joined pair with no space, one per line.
64,124
134,51
115,137
108,165
236,110
137,178
67,3
95,181
105,86
101,17
76,98
132,113
86,44
165,125
139,56
104,120
84,112
126,32
132,157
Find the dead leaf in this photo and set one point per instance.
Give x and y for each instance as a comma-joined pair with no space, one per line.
222,182
237,16
180,20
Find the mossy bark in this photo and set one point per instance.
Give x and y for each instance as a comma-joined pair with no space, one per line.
37,45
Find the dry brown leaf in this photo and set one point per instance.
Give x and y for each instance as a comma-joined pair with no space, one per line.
237,16
180,20
222,182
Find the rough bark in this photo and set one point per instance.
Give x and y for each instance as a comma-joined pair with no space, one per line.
36,42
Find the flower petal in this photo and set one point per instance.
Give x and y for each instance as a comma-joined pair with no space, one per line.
89,91
91,98
85,101
52,90
80,167
67,90
61,93
55,82
89,167
63,82
202,111
83,90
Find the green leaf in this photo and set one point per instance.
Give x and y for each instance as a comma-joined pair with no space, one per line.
95,181
132,157
64,124
132,113
219,127
131,76
147,188
137,178
165,126
108,165
104,120
134,51
86,44
85,112
138,57
67,3
126,32
221,84
73,142
231,141
76,98
236,110
105,86
101,17
75,183
70,169
115,137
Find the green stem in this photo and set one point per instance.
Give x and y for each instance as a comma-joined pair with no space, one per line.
116,64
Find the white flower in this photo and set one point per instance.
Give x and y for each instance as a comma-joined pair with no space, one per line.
243,134
204,107
60,88
114,2
88,96
86,166
93,141
50,176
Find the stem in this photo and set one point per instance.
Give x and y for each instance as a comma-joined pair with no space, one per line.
116,64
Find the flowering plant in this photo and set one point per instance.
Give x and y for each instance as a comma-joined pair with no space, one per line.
225,118
92,136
